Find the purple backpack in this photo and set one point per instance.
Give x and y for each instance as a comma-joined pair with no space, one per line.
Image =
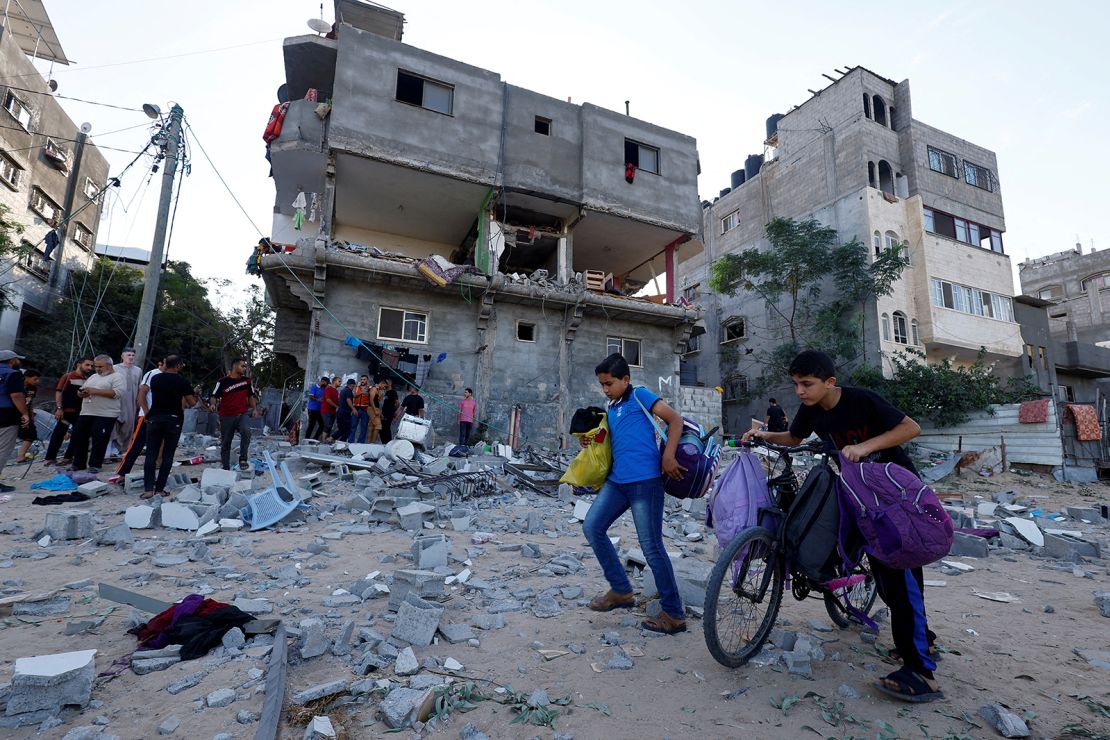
899,518
739,494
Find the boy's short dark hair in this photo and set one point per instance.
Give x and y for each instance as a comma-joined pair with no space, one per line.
351,381
614,365
31,373
812,362
173,362
325,379
773,401
470,391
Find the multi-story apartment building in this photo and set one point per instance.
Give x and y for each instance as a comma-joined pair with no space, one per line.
421,155
853,157
1076,288
38,179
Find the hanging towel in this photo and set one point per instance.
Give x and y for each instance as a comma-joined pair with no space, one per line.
1033,412
1086,421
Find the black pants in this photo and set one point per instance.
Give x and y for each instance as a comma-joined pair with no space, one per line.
329,422
342,427
89,441
465,429
58,436
135,449
386,434
163,432
315,424
228,426
903,591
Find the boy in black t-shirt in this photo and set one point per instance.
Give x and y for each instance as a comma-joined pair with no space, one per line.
860,423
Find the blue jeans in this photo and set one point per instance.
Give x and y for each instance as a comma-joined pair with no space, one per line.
360,420
645,498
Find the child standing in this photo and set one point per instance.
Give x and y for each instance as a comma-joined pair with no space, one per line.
468,411
859,423
635,482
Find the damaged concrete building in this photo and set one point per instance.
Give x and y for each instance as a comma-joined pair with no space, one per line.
551,214
854,158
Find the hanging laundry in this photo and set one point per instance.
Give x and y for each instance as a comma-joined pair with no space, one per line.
51,242
313,207
442,356
629,172
1086,421
299,204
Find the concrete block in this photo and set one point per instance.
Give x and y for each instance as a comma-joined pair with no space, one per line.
406,663
319,691
169,726
119,534
69,525
218,477
691,577
208,528
143,667
968,545
430,552
313,641
188,495
49,682
1068,548
456,633
581,509
424,583
254,606
93,488
404,706
142,517
417,621
1089,513
320,728
42,607
186,682
460,523
179,516
220,698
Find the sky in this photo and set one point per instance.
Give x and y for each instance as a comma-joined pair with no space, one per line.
1025,79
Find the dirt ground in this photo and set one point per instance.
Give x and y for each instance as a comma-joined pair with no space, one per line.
1018,654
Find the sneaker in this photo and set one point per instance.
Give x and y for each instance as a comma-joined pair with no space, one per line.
115,478
244,465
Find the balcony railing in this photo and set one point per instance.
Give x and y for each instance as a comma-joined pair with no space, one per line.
34,263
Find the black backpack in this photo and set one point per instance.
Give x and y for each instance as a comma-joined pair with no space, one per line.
813,525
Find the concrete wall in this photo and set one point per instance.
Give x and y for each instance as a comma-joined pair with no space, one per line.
1088,310
1037,337
1037,444
703,405
549,164
24,147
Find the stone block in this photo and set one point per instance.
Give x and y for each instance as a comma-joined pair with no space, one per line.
218,477
169,726
186,682
49,682
313,641
1005,722
179,516
69,525
142,517
254,606
93,488
320,728
417,621
188,495
406,663
41,607
691,577
220,698
460,523
319,691
404,706
581,509
424,583
1069,548
968,545
456,633
430,552
1089,513
143,667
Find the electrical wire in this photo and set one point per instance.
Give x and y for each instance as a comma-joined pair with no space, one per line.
76,100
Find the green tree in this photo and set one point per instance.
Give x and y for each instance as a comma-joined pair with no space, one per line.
814,287
11,249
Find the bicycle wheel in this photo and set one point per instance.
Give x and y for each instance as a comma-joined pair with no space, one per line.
742,597
860,596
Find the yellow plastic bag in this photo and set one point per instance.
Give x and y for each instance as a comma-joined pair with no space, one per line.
590,467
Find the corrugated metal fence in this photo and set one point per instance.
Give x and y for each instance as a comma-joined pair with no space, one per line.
1025,443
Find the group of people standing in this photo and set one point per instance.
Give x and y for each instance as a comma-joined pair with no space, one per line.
358,411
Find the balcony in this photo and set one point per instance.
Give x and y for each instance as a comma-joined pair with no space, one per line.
1082,359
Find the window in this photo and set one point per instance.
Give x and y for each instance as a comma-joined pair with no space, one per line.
90,190
1051,293
978,176
43,206
525,331
879,106
871,180
915,333
736,387
886,326
33,261
82,235
892,240
1096,282
730,222
55,154
10,172
629,349
691,293
996,241
543,126
943,162
646,158
693,344
1044,358
930,222
963,230
416,90
734,329
877,242
901,335
402,325
972,301
886,177
19,110
867,105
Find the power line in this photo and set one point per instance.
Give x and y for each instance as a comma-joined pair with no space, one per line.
78,100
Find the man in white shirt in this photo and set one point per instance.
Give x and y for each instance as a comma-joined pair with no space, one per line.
138,438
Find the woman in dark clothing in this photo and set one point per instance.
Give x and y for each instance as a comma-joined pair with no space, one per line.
389,410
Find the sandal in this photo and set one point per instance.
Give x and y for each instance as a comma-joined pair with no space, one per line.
933,653
147,495
664,624
611,600
910,686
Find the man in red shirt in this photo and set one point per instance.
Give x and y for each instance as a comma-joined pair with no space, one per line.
236,403
68,405
331,405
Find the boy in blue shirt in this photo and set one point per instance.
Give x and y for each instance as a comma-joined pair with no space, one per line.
635,482
861,423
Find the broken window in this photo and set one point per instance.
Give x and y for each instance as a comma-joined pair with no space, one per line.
628,348
891,240
44,206
90,190
416,90
734,329
736,387
901,335
82,235
943,162
1051,293
525,331
19,110
402,325
691,293
693,344
641,156
978,176
871,179
877,242
730,222
10,172
543,125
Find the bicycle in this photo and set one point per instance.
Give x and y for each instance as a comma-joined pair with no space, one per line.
757,567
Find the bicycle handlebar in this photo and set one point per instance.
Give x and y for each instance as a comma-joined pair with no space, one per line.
816,445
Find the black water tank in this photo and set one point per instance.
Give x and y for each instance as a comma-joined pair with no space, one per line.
705,204
725,192
773,124
738,178
752,165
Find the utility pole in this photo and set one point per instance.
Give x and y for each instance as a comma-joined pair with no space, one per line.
172,131
67,203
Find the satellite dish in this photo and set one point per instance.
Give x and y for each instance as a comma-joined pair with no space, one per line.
86,127
151,110
53,85
319,25
283,94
